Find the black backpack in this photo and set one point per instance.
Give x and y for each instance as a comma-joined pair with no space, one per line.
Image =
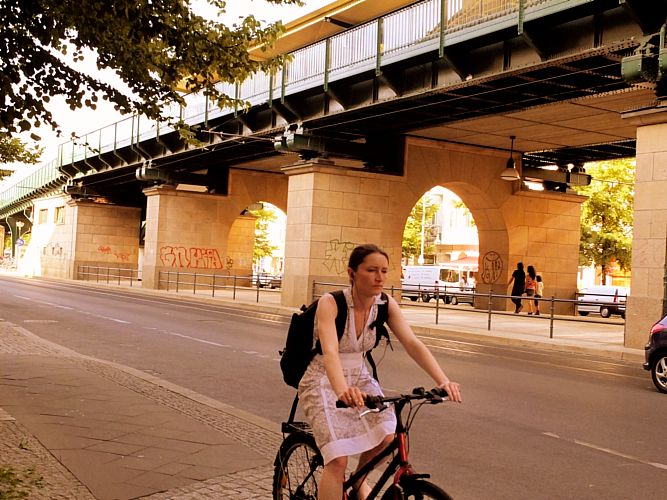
300,346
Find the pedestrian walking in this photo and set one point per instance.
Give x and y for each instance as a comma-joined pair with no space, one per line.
531,285
518,282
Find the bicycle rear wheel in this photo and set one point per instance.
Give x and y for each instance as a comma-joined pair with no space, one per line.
298,468
416,490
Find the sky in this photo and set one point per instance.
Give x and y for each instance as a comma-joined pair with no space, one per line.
87,120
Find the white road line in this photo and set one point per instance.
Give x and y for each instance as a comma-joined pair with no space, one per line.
609,451
113,319
52,304
195,339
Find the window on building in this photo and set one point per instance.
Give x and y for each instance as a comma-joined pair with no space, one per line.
43,216
60,215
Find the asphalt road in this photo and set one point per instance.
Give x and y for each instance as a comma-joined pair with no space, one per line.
533,424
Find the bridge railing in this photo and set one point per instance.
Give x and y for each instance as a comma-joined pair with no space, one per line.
354,49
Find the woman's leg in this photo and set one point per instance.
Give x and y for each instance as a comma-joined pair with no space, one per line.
362,488
530,301
537,304
331,482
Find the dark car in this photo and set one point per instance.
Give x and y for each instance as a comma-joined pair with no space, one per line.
656,354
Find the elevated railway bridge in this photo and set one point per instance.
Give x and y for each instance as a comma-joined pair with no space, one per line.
379,102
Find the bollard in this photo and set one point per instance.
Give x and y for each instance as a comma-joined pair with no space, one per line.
488,326
194,284
437,304
552,308
213,287
234,289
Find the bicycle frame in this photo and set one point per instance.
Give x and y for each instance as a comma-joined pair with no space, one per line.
399,464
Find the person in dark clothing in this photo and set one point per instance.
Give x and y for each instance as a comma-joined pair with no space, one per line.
518,282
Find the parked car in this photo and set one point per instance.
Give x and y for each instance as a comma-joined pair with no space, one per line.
656,355
276,281
602,299
261,279
463,295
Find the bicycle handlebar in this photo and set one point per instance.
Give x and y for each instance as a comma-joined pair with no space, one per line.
435,396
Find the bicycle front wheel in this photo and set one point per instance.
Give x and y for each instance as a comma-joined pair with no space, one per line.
416,490
298,468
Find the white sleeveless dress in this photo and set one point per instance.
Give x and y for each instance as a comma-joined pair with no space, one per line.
340,431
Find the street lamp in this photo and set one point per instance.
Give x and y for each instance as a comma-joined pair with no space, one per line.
420,259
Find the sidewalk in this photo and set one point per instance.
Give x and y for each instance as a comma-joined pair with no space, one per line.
93,429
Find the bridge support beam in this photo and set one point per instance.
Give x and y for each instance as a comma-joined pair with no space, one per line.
188,232
648,297
330,210
514,224
197,232
69,233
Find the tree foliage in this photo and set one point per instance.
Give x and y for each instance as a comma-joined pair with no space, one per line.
14,150
607,215
263,246
411,245
152,45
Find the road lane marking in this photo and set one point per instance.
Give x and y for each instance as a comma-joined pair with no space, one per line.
52,304
538,361
195,339
609,451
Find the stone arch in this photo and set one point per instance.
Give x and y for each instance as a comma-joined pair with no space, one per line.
538,228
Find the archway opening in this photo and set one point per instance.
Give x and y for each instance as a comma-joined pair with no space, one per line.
440,248
268,253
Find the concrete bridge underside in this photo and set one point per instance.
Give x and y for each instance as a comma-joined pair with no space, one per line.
425,121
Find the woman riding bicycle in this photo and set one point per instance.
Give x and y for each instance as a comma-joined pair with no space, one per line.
340,373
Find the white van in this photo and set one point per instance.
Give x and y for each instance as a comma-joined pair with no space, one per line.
426,282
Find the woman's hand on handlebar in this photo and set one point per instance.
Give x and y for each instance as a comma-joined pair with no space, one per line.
453,390
353,396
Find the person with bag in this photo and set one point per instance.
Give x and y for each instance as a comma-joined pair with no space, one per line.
339,373
518,282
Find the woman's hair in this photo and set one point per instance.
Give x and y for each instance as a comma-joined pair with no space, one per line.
539,278
361,252
531,272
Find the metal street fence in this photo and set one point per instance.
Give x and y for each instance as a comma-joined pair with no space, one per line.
109,275
260,288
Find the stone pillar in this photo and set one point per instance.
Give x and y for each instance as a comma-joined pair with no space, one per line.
188,231
330,210
2,241
67,233
645,304
538,228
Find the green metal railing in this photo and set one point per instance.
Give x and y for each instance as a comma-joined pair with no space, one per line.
418,28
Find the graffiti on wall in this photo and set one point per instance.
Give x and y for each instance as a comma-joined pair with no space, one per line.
53,250
336,255
193,257
107,250
492,267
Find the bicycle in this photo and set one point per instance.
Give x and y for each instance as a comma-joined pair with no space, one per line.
299,464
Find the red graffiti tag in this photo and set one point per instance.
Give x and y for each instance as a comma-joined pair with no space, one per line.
193,257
